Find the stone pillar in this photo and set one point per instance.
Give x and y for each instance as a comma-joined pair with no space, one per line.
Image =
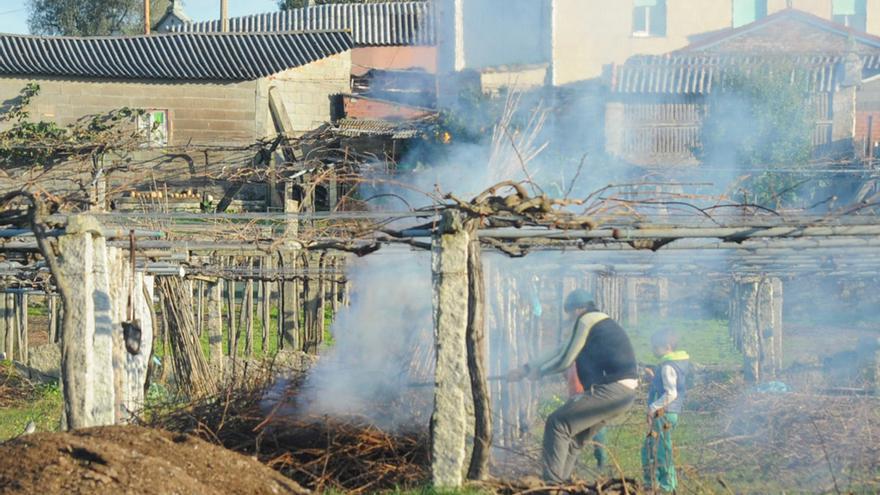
215,322
615,122
130,361
452,393
87,339
289,316
663,296
632,301
609,294
756,325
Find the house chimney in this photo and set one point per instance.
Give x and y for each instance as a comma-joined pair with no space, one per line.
146,16
224,16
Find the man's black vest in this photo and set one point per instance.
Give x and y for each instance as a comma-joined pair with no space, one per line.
607,356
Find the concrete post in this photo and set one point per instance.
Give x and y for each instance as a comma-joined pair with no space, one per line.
87,339
452,393
289,288
215,322
756,325
615,122
129,369
609,294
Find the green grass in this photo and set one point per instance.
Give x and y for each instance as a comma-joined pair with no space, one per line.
38,310
43,407
707,341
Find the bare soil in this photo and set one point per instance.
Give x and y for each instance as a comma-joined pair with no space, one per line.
14,388
131,459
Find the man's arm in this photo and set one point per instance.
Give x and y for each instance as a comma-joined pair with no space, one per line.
670,389
561,358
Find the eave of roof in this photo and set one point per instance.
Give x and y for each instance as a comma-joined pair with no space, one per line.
370,24
788,13
169,56
696,74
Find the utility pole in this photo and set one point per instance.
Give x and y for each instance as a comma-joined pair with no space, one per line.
147,17
224,16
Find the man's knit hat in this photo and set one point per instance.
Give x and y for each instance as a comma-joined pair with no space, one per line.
578,299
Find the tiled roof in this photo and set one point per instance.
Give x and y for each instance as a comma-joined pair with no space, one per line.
189,56
700,74
371,24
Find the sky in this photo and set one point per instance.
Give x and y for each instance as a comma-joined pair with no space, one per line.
13,13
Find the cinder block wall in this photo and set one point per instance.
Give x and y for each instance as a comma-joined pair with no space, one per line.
209,112
198,112
306,91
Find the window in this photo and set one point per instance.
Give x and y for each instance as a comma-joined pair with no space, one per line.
850,13
649,18
153,125
748,11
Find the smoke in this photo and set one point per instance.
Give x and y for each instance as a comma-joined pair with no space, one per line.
383,341
382,346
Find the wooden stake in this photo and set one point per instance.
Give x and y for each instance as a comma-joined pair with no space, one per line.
53,317
265,303
476,356
3,324
199,314
249,320
23,328
147,17
232,335
12,326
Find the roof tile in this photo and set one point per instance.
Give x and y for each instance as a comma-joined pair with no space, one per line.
370,24
178,56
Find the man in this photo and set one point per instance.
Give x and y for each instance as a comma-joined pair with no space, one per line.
606,367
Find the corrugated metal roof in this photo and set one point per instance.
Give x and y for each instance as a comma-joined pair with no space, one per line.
383,128
700,74
189,56
371,24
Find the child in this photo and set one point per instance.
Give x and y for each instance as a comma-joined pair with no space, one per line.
665,400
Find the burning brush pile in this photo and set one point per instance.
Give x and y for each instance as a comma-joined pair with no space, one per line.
347,454
321,453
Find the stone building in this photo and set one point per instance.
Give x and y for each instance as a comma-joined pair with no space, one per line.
201,88
657,104
577,39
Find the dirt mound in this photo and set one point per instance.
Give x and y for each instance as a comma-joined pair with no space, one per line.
131,459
